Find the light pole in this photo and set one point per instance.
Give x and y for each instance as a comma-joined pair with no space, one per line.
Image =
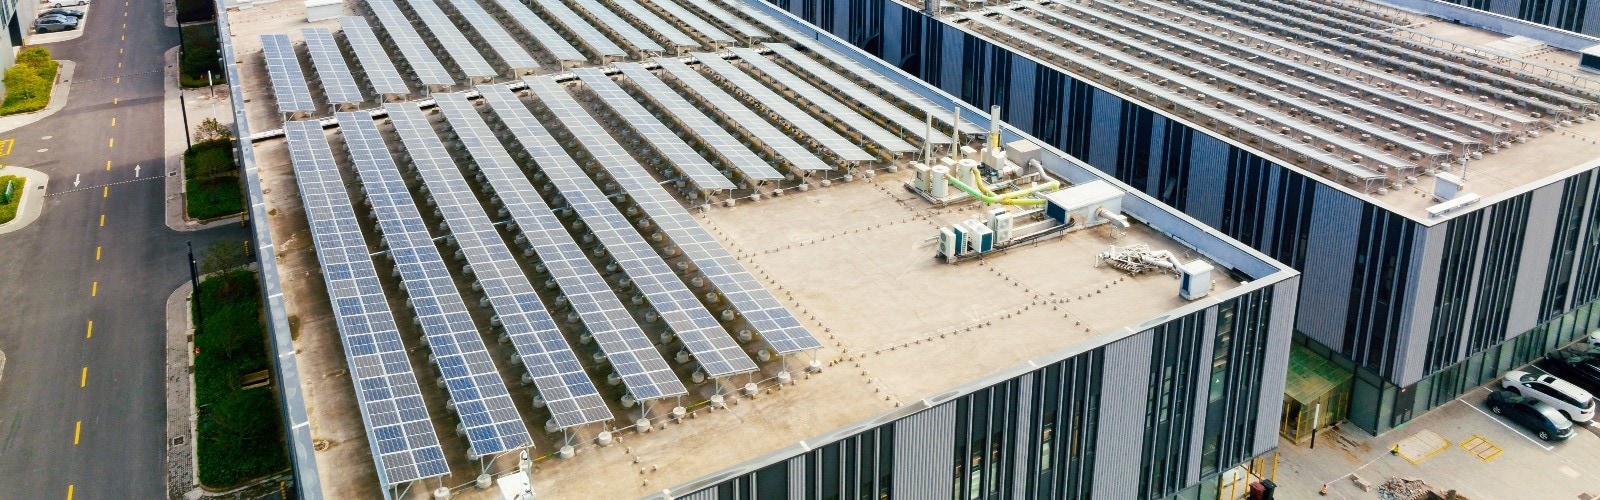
194,279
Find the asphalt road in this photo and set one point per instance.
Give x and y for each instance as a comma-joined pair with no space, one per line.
81,414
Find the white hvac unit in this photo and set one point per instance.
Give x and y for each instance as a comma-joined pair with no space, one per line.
1446,186
1087,205
1194,279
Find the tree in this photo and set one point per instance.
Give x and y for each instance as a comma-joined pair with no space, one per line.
211,130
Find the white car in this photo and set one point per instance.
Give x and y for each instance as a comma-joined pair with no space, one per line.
1594,338
1572,401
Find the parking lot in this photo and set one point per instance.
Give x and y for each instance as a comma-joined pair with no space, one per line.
1459,446
58,36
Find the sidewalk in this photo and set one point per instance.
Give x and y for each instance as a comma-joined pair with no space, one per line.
199,105
180,396
58,100
32,197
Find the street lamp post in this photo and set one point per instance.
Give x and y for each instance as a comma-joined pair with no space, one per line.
194,279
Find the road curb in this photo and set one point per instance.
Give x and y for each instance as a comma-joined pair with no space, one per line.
32,204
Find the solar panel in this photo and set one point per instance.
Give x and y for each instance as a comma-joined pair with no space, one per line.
455,44
337,82
481,400
851,66
819,98
412,49
571,398
850,90
547,36
288,83
576,25
702,335
655,23
404,446
694,22
721,142
375,63
796,117
777,326
635,359
610,21
728,19
647,126
734,111
494,34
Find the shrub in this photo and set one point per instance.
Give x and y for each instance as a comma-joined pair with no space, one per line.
240,435
201,51
211,130
8,211
28,83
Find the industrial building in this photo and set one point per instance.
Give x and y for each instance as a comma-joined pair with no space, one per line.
681,248
1437,195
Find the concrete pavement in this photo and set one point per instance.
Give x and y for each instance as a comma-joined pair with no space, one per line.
82,404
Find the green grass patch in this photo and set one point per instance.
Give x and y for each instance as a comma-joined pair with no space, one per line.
29,82
192,11
240,430
200,53
8,211
211,178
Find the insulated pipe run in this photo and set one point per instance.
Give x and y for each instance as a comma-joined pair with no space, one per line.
1014,198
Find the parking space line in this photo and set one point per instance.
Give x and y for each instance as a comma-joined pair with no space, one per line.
1506,425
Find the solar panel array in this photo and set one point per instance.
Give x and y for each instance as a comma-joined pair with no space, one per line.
727,18
405,38
569,394
821,99
849,89
288,82
852,67
547,36
732,151
778,327
375,63
616,24
693,22
683,157
796,117
635,359
480,397
576,25
656,23
702,335
494,34
403,443
337,82
461,50
753,124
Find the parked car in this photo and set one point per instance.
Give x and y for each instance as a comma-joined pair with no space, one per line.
1572,401
1594,338
1531,414
1577,365
48,24
72,13
68,3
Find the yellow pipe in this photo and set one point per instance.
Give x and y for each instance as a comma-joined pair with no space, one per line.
1008,198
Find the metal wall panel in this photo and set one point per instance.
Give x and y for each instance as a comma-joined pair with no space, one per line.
1275,369
924,449
1425,273
705,494
797,477
1539,236
1022,431
1119,441
1105,130
1331,260
1208,180
1019,108
1202,390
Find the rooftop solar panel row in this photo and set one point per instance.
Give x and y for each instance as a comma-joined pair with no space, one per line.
480,397
679,153
580,27
455,44
735,111
611,21
694,22
375,63
547,36
415,52
655,23
631,353
403,442
847,88
495,35
727,18
819,98
337,82
799,118
702,335
288,82
733,152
